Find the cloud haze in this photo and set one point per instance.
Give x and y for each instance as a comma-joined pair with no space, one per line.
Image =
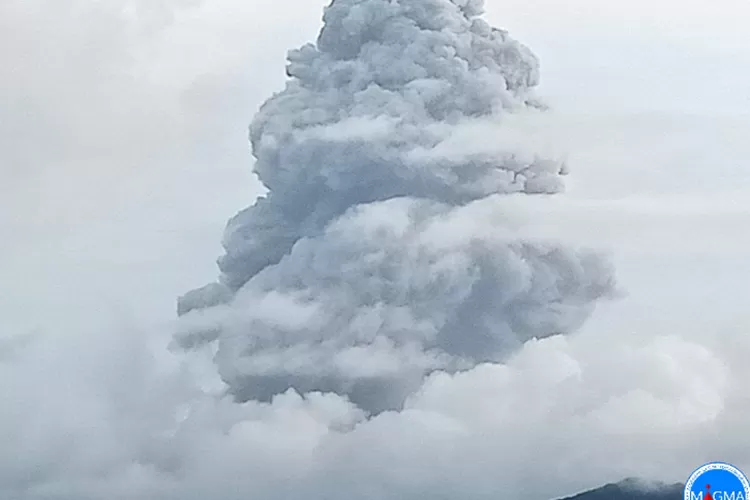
121,165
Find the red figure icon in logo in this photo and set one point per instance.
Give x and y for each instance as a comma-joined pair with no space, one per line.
708,496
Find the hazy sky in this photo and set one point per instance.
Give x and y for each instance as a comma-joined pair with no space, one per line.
123,151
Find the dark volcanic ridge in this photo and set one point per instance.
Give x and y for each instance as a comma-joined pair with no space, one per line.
633,489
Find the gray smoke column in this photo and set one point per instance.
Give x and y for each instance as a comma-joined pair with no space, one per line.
361,271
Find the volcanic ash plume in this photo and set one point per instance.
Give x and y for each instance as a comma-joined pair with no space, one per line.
364,268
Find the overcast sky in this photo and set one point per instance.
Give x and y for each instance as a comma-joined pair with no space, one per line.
123,151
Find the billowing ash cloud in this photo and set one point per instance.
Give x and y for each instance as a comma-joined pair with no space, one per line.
360,272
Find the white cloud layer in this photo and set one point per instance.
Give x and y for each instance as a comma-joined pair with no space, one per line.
97,417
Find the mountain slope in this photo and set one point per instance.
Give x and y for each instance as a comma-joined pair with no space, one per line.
632,489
